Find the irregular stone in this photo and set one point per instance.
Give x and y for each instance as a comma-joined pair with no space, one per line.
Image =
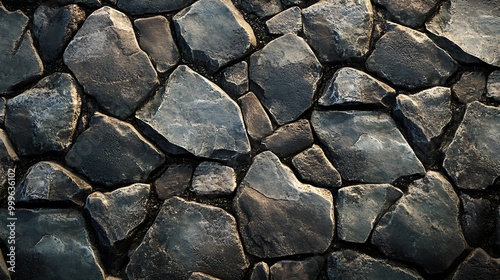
349,264
260,8
4,270
18,57
8,160
256,119
49,113
54,28
360,207
88,3
234,79
478,265
290,138
194,114
213,33
313,167
285,82
307,269
407,12
278,215
201,276
289,3
349,85
424,116
55,245
455,51
186,237
476,219
288,21
156,39
408,58
472,159
174,181
423,227
472,26
213,179
470,87
339,30
493,85
140,7
260,271
112,152
105,58
365,146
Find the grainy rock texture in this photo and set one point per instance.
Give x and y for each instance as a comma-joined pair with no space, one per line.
139,7
260,8
478,265
290,138
477,219
470,87
174,180
234,79
493,85
314,167
288,21
256,119
213,179
308,269
408,12
260,271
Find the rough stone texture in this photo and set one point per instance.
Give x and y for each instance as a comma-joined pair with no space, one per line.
188,237
194,114
112,152
285,82
213,33
174,181
349,85
423,227
478,265
201,276
4,270
8,160
472,157
213,179
155,38
54,27
106,60
477,219
452,49
234,79
48,114
288,21
409,59
261,8
139,7
351,265
18,57
408,12
54,244
470,87
307,269
290,138
360,207
314,167
493,85
473,26
278,215
256,119
260,271
365,146
49,181
424,116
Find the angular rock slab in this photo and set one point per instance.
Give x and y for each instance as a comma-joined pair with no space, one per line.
472,159
288,21
476,219
285,81
260,271
189,237
194,114
493,85
48,114
213,33
18,57
339,30
213,179
55,245
260,8
278,215
366,146
256,119
234,79
478,265
472,26
8,160
174,181
140,7
409,59
290,138
408,12
112,152
470,87
313,166
50,181
307,269
106,60
201,276
423,227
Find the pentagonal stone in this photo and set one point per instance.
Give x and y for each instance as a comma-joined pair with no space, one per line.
213,33
48,112
472,158
8,160
409,59
288,21
234,79
493,85
470,87
477,219
139,7
314,167
112,152
285,81
339,30
213,179
290,138
256,119
207,123
280,216
106,59
407,12
307,269
260,271
174,181
478,265
365,146
423,227
260,8
186,237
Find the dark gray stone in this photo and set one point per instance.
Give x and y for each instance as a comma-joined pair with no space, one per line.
470,87
48,112
256,119
472,159
112,152
478,265
213,179
423,227
8,160
452,49
201,276
339,30
408,12
289,3
290,138
496,237
260,271
156,39
307,269
261,8
213,33
234,79
174,181
314,167
207,123
288,21
105,58
477,219
493,85
360,207
365,146
285,81
278,215
351,265
88,3
409,59
4,270
139,7
186,237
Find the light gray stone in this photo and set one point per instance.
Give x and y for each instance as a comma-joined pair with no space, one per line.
260,271
478,265
288,21
213,179
493,85
307,269
256,119
408,12
470,87
260,8
140,7
234,79
314,167
290,138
